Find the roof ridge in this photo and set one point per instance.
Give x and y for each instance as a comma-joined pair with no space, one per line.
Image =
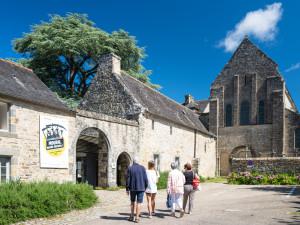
246,38
170,99
16,64
254,45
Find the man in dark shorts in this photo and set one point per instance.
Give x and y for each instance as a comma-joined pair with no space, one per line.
136,184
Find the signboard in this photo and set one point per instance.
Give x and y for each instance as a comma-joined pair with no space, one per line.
54,139
250,164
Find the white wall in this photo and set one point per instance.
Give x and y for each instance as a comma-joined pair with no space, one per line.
178,144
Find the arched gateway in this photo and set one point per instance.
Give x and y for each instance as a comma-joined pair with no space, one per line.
123,163
92,157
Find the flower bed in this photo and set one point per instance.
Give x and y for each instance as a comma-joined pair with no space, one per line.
255,179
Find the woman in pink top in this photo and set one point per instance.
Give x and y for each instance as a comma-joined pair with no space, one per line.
176,182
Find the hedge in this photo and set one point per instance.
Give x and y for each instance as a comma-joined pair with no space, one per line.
256,178
22,201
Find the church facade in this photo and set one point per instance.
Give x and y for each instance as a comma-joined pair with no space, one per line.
251,112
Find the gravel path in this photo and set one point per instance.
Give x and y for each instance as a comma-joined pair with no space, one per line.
216,204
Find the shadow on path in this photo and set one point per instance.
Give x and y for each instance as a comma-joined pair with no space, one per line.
287,191
124,216
282,190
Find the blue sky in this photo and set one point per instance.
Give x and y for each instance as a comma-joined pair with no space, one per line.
184,40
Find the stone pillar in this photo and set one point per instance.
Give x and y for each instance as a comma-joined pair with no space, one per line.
236,101
278,116
253,102
103,164
214,127
214,115
273,83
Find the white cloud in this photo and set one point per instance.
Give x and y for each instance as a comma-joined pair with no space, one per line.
293,67
261,24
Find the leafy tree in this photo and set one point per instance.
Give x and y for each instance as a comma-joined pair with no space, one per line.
64,53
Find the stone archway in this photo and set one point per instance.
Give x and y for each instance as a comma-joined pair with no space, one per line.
92,157
123,163
243,151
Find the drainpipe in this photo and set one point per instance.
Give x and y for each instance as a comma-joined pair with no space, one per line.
217,143
195,143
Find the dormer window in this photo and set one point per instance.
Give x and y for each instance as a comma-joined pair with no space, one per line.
3,116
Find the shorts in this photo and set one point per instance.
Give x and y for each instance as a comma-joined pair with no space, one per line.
137,196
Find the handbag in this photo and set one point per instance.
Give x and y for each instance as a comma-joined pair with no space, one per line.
196,183
168,202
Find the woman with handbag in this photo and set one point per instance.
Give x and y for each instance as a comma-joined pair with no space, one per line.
190,187
175,189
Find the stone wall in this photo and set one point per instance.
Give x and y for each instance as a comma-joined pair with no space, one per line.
257,138
292,121
169,140
21,143
121,136
273,165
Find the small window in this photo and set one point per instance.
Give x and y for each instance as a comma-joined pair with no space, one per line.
247,80
171,130
297,138
152,124
245,113
156,162
261,112
4,169
3,116
177,162
228,115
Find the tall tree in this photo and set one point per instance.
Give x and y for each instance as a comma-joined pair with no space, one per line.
64,52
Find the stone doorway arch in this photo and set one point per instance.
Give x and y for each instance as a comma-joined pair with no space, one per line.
243,151
92,149
123,163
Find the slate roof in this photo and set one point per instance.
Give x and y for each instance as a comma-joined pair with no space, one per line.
200,105
21,83
158,104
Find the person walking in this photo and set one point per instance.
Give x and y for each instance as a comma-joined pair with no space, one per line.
136,184
151,190
189,192
176,182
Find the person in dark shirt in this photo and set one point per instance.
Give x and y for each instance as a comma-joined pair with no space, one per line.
189,192
136,184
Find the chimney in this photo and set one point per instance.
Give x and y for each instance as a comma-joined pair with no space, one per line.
188,99
110,63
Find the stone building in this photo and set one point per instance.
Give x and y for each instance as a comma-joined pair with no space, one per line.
146,123
24,99
119,118
251,111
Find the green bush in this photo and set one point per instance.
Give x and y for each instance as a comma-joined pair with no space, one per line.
163,180
256,178
22,201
